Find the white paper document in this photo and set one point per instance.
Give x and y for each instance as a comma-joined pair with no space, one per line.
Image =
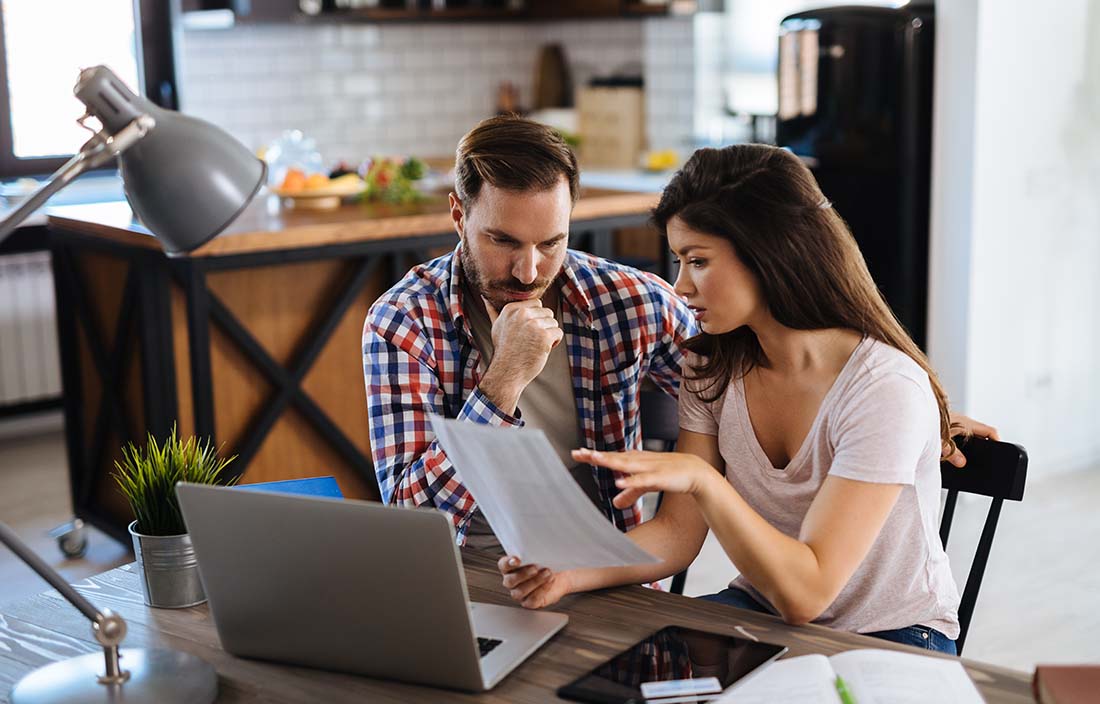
532,503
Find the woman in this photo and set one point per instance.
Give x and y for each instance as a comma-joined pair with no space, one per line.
811,425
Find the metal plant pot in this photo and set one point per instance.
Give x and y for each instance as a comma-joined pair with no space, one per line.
169,570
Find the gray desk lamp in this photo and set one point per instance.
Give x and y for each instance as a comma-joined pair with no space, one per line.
186,180
150,676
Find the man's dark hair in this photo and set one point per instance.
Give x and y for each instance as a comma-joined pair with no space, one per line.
514,154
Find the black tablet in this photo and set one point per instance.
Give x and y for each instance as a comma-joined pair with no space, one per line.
673,665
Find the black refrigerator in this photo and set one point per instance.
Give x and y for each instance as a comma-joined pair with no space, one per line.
855,102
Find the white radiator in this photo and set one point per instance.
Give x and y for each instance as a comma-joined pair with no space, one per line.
29,367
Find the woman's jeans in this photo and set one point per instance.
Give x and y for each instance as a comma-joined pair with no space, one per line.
917,636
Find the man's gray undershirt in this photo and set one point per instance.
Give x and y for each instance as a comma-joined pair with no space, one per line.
547,404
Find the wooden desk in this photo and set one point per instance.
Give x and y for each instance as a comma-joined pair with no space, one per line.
45,628
252,340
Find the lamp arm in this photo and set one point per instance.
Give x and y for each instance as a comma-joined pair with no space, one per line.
95,153
108,628
60,178
36,563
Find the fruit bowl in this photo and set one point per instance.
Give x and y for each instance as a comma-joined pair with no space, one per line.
321,196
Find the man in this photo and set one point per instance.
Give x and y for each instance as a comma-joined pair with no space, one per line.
514,329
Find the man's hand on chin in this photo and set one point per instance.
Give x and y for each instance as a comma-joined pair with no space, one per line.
524,332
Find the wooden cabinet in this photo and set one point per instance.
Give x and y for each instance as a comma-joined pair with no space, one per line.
252,340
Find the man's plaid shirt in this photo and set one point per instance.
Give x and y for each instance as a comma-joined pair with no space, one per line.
620,325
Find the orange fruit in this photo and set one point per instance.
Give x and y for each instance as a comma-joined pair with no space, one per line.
316,181
295,180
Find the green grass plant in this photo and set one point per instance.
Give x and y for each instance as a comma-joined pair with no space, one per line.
147,477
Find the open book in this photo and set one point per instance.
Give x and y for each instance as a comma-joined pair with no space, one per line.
870,676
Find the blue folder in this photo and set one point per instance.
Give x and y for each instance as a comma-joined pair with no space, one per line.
314,486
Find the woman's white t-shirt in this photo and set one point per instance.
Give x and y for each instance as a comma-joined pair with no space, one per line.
878,423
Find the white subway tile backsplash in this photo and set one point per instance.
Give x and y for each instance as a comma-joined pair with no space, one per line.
374,110
395,36
455,56
589,32
337,110
270,38
295,62
419,58
480,33
497,57
435,83
363,89
359,35
551,33
337,60
380,60
360,84
505,34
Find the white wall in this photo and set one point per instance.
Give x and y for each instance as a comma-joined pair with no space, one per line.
1014,319
951,224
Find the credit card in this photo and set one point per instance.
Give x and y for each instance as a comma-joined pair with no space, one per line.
681,688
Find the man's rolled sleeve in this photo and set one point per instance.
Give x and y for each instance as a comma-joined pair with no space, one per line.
480,409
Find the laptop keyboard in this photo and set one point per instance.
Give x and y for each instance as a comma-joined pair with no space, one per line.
486,645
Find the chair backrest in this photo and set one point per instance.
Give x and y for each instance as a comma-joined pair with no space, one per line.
660,421
994,469
659,417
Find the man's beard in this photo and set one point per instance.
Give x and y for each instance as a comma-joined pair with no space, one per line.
491,290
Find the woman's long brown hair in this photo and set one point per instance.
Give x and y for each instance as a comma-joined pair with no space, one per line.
811,274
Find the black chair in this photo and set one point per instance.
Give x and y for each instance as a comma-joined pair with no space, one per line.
660,421
994,469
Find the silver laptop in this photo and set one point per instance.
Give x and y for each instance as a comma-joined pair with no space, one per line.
351,586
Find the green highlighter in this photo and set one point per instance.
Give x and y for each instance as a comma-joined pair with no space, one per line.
845,695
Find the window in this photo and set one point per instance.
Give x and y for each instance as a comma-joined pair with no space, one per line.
45,44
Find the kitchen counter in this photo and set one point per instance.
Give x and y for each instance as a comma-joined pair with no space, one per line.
633,180
266,226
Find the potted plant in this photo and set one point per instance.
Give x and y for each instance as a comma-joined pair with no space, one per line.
147,478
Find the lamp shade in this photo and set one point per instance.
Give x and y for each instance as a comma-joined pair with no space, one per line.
187,179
